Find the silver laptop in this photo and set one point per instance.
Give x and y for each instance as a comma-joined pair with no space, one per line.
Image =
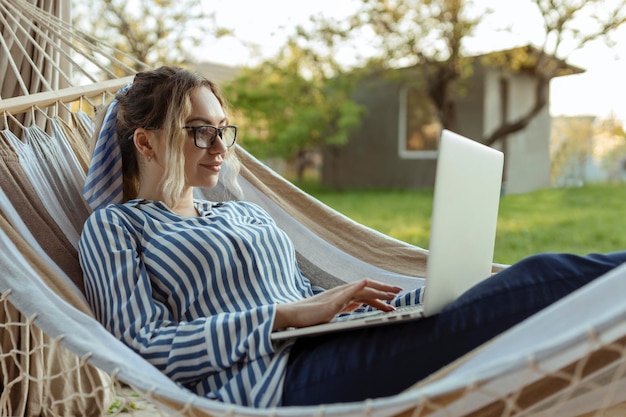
462,234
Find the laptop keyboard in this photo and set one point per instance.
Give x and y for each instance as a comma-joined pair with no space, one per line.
398,313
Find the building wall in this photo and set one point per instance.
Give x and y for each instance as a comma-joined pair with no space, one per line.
471,106
370,159
527,152
373,158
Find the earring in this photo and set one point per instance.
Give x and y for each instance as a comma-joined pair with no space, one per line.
149,157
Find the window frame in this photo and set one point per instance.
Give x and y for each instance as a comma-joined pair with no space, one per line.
403,152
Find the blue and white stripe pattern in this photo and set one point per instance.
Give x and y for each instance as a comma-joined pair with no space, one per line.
196,296
104,179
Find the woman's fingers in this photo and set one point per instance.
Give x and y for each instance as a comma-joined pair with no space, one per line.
370,287
341,299
374,290
382,286
368,292
351,306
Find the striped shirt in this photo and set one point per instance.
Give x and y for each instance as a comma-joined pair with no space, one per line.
196,296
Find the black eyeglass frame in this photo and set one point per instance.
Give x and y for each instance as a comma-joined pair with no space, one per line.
218,132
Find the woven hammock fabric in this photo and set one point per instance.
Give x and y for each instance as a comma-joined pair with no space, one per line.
41,52
568,360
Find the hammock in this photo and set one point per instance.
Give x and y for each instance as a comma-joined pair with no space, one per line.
567,360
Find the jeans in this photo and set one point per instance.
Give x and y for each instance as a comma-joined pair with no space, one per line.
382,361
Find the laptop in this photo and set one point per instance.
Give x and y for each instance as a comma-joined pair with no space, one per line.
462,235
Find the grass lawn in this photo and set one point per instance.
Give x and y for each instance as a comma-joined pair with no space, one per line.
576,220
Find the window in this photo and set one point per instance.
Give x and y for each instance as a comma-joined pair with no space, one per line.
419,124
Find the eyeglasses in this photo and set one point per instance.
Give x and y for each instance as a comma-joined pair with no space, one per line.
204,136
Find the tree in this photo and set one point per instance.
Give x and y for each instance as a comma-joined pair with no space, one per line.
153,32
571,149
568,26
425,35
288,106
610,149
429,36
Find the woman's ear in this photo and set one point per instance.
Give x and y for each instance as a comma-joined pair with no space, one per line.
142,139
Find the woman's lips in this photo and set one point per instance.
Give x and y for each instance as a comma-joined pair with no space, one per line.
215,167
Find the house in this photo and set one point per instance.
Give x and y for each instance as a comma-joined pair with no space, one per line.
571,149
396,144
587,150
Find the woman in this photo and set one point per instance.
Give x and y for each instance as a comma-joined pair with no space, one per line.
197,287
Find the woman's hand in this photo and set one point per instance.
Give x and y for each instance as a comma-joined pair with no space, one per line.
323,307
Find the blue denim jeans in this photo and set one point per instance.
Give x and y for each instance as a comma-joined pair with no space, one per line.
382,361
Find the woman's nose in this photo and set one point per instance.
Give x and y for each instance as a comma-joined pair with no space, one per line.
218,146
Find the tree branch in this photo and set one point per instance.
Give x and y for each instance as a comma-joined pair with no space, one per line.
508,127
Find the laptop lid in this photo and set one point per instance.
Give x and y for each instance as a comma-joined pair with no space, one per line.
463,231
465,213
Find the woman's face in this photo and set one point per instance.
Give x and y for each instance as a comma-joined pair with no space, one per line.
203,166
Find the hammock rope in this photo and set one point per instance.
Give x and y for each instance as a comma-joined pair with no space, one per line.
56,360
44,50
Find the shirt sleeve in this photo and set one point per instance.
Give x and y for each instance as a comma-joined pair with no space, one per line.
119,291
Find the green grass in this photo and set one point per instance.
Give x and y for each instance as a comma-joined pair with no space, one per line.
577,220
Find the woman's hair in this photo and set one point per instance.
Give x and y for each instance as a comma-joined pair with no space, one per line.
161,99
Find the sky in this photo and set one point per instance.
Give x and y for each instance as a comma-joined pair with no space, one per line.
600,91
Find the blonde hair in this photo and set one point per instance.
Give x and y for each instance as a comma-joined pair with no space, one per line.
161,99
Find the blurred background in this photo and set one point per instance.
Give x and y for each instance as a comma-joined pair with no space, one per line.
367,85
346,98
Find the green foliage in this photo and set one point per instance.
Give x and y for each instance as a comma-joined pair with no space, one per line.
121,406
576,220
349,116
423,36
287,105
571,144
430,38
